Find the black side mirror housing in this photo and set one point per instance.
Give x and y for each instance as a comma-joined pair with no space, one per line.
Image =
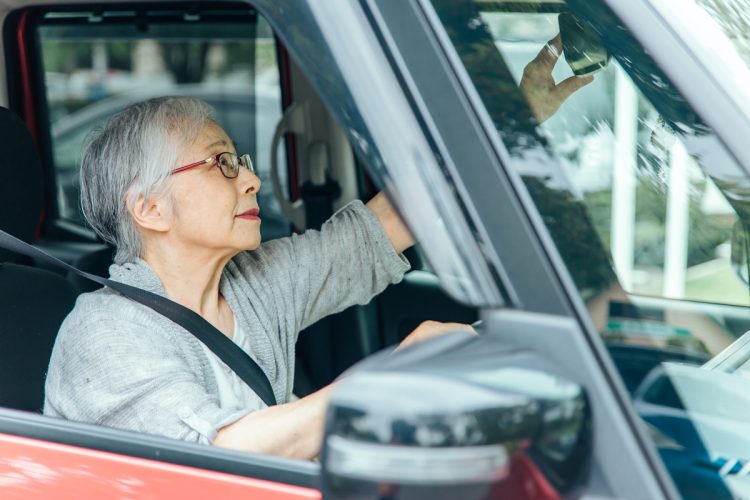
584,51
456,417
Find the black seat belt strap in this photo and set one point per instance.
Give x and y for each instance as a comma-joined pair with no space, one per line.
229,352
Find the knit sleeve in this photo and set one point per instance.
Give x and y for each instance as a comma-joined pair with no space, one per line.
312,275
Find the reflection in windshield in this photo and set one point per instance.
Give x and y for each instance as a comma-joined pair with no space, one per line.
637,192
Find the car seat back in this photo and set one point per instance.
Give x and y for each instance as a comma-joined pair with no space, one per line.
33,302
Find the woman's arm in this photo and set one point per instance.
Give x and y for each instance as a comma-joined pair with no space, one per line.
295,430
395,229
292,430
306,277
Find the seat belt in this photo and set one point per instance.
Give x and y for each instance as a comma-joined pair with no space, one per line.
229,352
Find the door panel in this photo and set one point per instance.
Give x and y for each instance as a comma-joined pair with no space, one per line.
152,450
52,470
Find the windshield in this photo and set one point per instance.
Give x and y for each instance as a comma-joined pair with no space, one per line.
733,16
640,197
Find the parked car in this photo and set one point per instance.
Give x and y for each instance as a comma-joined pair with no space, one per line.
590,241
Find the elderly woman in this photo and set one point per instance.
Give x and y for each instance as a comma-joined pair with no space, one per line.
163,183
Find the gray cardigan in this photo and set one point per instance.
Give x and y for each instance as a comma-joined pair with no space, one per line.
118,363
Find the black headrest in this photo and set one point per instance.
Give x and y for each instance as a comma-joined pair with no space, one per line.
21,181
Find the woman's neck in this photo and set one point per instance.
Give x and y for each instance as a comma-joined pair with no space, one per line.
191,278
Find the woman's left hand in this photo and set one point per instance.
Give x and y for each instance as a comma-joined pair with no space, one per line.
429,329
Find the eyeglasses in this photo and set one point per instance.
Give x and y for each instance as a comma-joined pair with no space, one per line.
229,164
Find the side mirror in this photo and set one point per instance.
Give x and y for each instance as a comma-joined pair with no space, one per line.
455,417
740,255
584,51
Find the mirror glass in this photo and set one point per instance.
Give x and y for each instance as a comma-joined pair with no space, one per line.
582,47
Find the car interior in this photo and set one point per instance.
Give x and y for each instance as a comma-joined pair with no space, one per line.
260,97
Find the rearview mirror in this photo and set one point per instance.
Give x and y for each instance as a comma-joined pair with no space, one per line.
740,252
455,417
584,51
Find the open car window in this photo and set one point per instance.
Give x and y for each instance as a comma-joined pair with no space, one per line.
96,63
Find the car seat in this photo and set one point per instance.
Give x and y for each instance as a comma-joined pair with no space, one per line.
33,302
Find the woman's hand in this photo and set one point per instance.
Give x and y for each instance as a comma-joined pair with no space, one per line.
295,429
429,329
544,96
292,430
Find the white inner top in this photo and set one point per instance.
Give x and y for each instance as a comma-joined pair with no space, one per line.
233,392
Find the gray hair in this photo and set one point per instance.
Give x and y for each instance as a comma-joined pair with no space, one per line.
132,156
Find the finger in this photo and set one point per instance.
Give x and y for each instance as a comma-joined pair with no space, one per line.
555,45
566,87
550,52
462,327
458,326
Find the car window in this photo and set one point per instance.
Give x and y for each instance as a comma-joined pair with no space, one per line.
637,192
661,220
95,64
621,176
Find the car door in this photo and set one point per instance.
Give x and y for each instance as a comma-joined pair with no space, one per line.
42,457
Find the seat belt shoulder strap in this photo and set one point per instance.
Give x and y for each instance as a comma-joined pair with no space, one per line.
230,353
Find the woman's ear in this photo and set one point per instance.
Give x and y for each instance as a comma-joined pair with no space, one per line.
149,213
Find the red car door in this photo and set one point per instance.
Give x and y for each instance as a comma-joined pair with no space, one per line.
31,468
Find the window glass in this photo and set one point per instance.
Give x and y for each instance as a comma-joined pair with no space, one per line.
638,194
96,64
663,221
731,16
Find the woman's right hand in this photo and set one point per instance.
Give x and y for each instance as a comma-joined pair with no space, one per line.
545,96
429,329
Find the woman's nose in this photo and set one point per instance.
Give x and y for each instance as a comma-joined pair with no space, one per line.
250,183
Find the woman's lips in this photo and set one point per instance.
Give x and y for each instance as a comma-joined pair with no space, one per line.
251,214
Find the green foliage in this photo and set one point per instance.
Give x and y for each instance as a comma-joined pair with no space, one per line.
119,53
64,57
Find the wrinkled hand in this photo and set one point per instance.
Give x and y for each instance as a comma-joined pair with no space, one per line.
544,96
429,329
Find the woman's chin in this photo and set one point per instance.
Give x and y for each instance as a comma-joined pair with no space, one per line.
248,240
255,243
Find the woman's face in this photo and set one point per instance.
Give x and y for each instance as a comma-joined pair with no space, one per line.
209,210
